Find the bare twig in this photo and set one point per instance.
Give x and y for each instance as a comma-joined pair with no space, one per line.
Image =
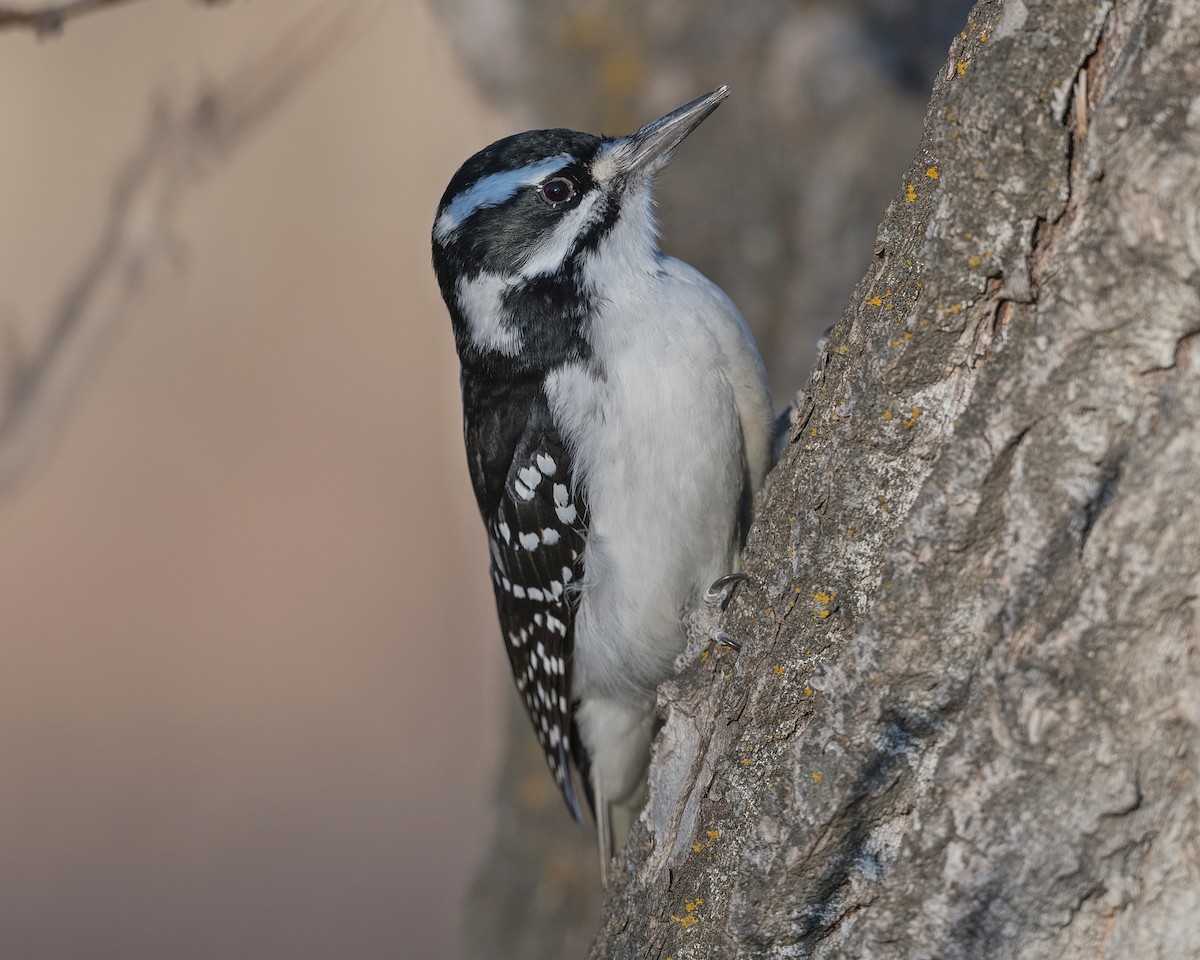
49,18
182,143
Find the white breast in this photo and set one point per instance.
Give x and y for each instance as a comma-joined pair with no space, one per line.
666,440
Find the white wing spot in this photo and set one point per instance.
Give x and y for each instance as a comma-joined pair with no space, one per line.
528,540
561,497
505,532
518,590
568,574
546,464
497,556
566,514
534,593
530,477
522,491
550,536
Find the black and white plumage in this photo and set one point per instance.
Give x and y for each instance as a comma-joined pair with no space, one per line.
617,423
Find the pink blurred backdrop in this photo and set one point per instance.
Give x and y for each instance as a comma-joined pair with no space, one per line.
250,685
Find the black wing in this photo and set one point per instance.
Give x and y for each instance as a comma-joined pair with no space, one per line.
536,523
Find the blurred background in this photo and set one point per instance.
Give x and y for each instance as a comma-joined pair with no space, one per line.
253,701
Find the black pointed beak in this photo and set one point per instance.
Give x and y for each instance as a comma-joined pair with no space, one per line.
648,151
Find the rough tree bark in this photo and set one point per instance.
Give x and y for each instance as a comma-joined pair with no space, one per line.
778,201
964,719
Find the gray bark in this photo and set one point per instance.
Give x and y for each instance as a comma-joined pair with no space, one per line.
777,198
964,720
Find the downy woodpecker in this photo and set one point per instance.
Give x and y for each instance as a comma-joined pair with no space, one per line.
618,425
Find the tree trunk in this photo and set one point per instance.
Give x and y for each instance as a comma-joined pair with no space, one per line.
964,719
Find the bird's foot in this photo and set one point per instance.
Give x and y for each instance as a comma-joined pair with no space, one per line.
727,641
723,589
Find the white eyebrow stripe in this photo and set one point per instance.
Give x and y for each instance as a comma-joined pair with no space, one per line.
548,254
493,190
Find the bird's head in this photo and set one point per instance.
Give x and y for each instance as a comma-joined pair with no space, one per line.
522,220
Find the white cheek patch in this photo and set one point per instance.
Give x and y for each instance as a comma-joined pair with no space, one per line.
553,249
481,300
491,191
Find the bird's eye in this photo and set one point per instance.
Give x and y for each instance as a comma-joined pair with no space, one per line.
558,190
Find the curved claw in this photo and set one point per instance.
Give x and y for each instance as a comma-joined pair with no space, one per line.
723,588
727,641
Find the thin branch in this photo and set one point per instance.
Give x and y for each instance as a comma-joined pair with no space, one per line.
181,145
49,18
